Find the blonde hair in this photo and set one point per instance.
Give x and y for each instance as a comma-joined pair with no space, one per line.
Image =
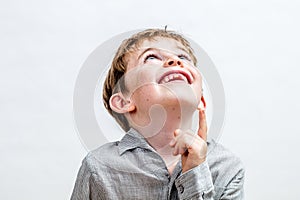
114,81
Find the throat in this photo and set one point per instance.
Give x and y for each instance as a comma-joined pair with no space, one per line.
169,159
172,167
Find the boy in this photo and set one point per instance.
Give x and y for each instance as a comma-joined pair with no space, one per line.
152,90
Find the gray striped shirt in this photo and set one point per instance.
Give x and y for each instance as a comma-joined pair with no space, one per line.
131,169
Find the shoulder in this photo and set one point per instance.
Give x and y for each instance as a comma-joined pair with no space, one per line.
101,156
224,165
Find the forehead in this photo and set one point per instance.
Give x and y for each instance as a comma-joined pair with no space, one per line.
161,43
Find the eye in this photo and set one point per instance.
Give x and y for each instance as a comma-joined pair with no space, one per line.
151,57
184,57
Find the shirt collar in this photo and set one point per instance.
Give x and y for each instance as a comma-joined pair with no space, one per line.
132,140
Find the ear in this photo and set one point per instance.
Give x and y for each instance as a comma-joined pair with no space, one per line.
202,103
120,104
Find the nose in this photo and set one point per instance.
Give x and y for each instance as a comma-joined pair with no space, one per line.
172,62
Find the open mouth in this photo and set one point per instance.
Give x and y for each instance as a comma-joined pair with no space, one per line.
175,76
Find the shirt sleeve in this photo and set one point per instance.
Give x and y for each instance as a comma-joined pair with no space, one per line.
82,185
235,189
197,184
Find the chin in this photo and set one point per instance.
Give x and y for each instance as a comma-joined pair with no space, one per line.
188,104
185,94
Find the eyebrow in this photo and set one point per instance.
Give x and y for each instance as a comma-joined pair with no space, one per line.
146,50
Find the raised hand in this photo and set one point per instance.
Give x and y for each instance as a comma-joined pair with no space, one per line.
191,146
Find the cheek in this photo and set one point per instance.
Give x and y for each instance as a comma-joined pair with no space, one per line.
138,78
197,89
148,95
197,86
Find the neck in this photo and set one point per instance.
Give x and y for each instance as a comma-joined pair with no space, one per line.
160,131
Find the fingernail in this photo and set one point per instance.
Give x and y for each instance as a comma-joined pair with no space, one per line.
172,142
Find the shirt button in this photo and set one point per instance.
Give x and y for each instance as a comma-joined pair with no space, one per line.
181,189
168,176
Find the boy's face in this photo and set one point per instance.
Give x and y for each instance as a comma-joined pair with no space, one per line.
161,72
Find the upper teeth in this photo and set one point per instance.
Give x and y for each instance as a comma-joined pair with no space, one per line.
174,76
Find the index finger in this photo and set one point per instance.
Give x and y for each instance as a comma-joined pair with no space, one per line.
202,130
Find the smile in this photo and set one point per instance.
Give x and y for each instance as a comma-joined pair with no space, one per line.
175,75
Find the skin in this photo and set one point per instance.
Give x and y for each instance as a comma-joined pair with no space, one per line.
161,108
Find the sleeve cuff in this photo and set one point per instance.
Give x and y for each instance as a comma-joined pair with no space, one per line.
194,183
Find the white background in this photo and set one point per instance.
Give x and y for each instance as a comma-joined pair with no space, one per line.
254,45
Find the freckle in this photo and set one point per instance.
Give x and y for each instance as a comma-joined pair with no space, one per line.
147,99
